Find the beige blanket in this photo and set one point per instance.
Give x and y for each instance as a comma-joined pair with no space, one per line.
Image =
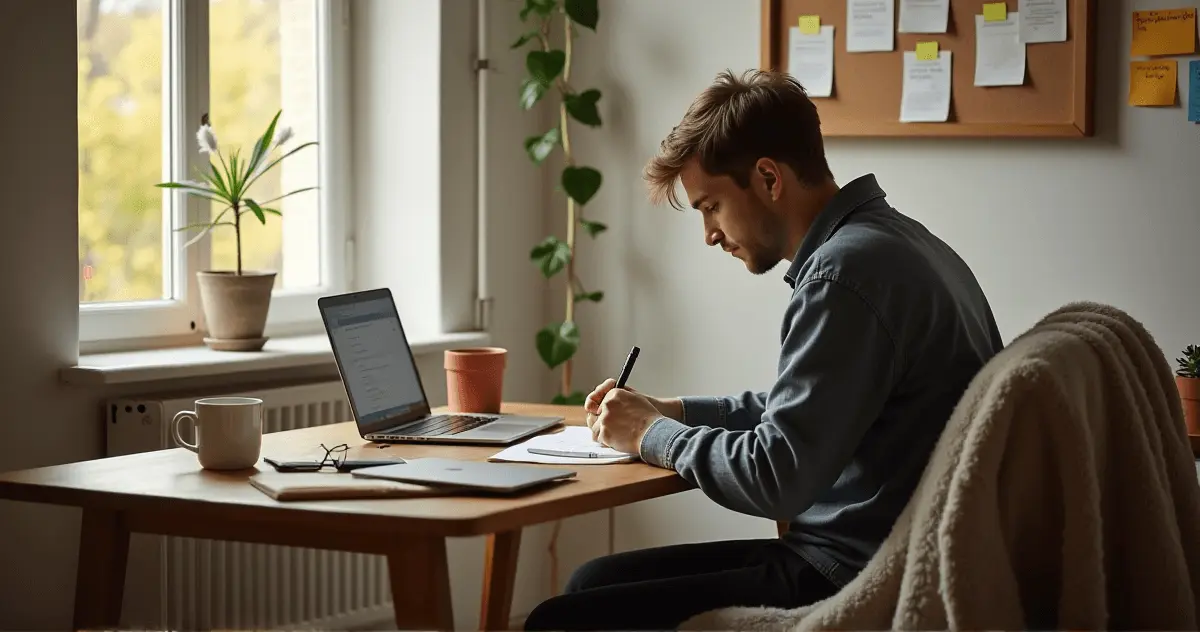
1062,495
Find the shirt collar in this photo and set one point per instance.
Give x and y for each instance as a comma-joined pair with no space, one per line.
848,199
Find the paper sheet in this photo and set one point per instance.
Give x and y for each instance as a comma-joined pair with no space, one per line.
1194,91
1153,82
810,60
1164,32
1043,21
924,16
926,94
999,53
870,25
572,438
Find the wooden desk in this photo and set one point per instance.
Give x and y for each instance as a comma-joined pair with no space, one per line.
166,492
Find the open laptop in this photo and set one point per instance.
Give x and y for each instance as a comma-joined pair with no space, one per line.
385,391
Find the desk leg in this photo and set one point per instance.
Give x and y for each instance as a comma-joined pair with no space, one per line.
420,581
100,578
499,577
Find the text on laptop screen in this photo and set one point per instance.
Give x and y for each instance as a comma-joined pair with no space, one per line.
377,363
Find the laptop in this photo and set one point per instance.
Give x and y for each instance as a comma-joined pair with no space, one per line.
475,475
379,373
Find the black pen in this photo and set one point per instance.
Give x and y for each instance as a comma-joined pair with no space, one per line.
628,368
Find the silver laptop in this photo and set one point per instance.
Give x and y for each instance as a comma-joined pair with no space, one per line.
479,475
385,391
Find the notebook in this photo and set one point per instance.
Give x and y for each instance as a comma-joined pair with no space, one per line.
285,486
572,440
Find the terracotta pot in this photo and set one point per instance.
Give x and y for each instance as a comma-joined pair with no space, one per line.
475,379
1189,395
235,307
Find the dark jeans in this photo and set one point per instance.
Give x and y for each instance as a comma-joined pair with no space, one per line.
661,588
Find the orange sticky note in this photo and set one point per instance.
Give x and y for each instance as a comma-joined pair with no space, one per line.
810,24
1164,32
927,51
1153,82
995,12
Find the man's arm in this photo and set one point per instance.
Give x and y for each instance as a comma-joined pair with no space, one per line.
738,412
838,366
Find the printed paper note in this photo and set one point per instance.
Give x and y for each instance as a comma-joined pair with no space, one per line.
926,92
1164,32
999,53
924,16
1153,82
1194,91
810,60
927,51
810,24
1043,21
995,12
870,25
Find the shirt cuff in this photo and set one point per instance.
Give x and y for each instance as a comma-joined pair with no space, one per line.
655,447
703,411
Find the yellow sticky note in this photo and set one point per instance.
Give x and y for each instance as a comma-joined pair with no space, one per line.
995,12
1164,32
927,51
810,24
1153,82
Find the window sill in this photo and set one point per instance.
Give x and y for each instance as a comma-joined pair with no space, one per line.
130,367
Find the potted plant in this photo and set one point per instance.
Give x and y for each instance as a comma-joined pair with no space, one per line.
236,302
1187,379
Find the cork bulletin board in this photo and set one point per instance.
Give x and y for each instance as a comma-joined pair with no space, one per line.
1055,100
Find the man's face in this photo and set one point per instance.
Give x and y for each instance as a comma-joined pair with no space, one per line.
739,220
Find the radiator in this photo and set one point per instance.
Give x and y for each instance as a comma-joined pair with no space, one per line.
191,584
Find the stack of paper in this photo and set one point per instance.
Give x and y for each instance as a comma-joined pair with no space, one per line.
573,440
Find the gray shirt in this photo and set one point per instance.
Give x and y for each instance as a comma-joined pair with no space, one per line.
885,329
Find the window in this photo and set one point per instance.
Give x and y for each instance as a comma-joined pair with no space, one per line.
148,70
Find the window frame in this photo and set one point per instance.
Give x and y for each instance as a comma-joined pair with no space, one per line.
147,324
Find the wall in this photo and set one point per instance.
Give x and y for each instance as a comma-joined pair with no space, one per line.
1111,218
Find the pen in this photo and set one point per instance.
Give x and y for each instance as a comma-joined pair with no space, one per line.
628,368
568,454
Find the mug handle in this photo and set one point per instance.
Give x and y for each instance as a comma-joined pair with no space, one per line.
180,416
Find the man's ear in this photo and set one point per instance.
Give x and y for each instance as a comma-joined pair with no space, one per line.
768,170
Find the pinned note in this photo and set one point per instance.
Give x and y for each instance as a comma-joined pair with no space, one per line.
924,16
925,97
870,25
995,12
1194,91
810,24
1153,82
999,52
927,51
1164,32
810,60
1043,21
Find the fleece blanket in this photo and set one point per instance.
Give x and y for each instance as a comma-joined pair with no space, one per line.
1061,495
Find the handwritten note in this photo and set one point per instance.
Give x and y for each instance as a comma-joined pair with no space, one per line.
1194,91
924,16
1164,32
999,53
810,60
810,24
995,12
870,25
1043,21
925,96
1153,82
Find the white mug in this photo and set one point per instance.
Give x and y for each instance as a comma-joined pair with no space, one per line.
228,431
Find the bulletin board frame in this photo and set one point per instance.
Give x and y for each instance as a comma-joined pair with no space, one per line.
1056,101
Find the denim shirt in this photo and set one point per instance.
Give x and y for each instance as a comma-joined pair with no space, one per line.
885,329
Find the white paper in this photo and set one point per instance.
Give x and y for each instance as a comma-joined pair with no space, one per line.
810,60
870,25
571,439
1043,21
999,52
926,95
924,16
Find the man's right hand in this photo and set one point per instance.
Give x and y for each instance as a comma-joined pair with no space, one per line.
671,407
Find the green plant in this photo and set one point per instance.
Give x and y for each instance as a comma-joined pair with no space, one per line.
230,184
550,70
1189,364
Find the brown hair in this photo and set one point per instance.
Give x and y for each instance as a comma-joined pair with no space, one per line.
736,121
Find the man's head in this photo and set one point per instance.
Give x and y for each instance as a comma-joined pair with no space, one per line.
750,156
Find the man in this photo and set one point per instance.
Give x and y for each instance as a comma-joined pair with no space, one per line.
885,328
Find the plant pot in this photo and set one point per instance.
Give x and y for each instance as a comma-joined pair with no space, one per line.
475,379
1189,396
235,307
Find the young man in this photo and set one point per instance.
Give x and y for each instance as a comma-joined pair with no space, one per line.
885,328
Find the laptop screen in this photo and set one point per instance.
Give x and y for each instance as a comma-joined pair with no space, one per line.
374,357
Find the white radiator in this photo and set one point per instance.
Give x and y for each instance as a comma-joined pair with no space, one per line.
190,584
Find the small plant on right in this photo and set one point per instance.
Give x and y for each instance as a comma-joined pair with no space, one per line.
1189,363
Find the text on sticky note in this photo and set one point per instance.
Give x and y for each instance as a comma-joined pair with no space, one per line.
1153,82
995,12
810,24
1164,32
927,51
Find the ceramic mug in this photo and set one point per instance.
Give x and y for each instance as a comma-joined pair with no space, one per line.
228,431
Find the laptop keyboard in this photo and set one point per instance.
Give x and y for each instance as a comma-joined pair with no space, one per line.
446,425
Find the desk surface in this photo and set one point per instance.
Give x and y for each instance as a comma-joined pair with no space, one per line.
172,481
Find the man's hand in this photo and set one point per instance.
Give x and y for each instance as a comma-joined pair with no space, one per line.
624,416
672,408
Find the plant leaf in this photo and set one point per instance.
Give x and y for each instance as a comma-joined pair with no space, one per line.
208,225
556,343
531,93
258,212
288,194
594,297
574,399
583,12
593,228
539,147
192,189
264,141
581,183
545,65
551,255
215,222
541,7
214,178
582,107
278,160
524,39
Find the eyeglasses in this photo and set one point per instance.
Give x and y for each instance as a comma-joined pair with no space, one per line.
335,456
